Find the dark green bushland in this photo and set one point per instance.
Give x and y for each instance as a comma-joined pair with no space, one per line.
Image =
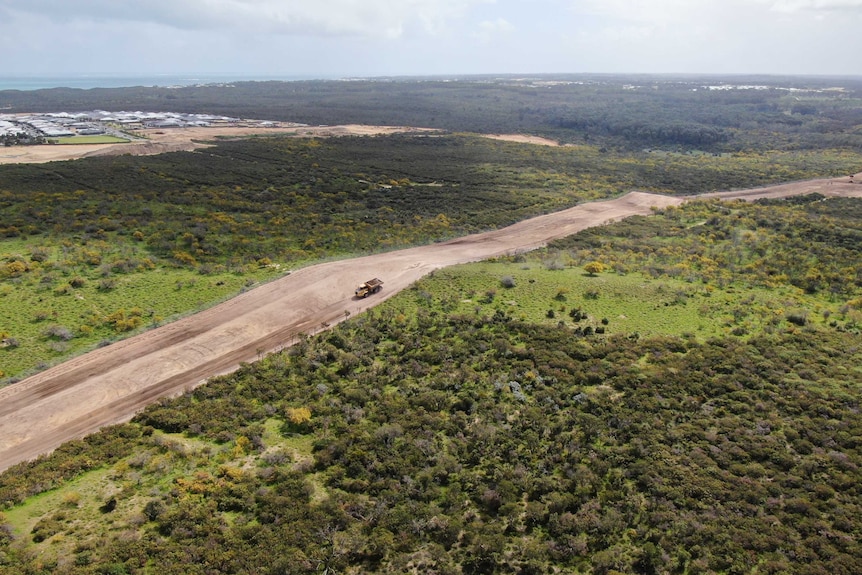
479,443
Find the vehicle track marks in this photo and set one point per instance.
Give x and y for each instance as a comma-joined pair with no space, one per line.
109,385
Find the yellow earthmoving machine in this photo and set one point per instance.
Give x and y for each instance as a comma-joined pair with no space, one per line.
369,287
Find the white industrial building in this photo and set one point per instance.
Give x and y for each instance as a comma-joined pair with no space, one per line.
7,128
97,122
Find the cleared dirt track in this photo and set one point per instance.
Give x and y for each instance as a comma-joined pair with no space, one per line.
111,384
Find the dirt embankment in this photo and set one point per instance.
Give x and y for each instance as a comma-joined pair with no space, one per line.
110,384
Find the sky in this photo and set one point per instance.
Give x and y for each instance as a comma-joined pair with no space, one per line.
370,38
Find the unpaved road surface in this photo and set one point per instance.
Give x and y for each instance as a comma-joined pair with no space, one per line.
110,384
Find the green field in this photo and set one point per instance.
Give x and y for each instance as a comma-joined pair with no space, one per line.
71,299
74,140
610,302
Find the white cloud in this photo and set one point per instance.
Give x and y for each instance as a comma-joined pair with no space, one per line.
791,6
390,37
650,26
489,29
671,11
754,36
373,18
652,11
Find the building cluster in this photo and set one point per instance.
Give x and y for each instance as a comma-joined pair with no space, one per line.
10,128
161,119
65,124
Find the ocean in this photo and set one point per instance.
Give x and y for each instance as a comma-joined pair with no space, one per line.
87,82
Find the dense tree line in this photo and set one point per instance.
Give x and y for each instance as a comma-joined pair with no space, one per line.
619,111
482,445
813,245
286,197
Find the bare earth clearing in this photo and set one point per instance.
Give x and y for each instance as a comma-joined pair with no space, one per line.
158,141
524,139
110,384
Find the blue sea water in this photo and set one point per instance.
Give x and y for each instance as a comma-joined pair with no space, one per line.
87,82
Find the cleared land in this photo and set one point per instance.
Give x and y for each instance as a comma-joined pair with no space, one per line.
524,139
110,384
159,141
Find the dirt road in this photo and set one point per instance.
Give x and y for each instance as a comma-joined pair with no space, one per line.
110,384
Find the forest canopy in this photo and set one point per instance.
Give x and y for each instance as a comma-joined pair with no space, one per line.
717,114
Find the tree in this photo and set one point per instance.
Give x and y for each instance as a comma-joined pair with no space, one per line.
594,268
298,419
298,415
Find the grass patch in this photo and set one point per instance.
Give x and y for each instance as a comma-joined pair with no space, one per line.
73,518
607,302
78,495
62,300
94,315
77,140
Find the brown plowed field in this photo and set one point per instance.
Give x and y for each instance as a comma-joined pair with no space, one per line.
111,384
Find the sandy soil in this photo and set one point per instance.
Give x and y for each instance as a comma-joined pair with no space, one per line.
848,186
522,139
110,384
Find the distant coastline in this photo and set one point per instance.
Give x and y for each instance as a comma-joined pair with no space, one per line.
29,83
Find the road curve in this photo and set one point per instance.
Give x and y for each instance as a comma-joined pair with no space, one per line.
109,385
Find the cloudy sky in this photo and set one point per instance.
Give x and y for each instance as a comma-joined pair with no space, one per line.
325,38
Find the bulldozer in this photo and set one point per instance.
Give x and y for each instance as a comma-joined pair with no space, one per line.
369,287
